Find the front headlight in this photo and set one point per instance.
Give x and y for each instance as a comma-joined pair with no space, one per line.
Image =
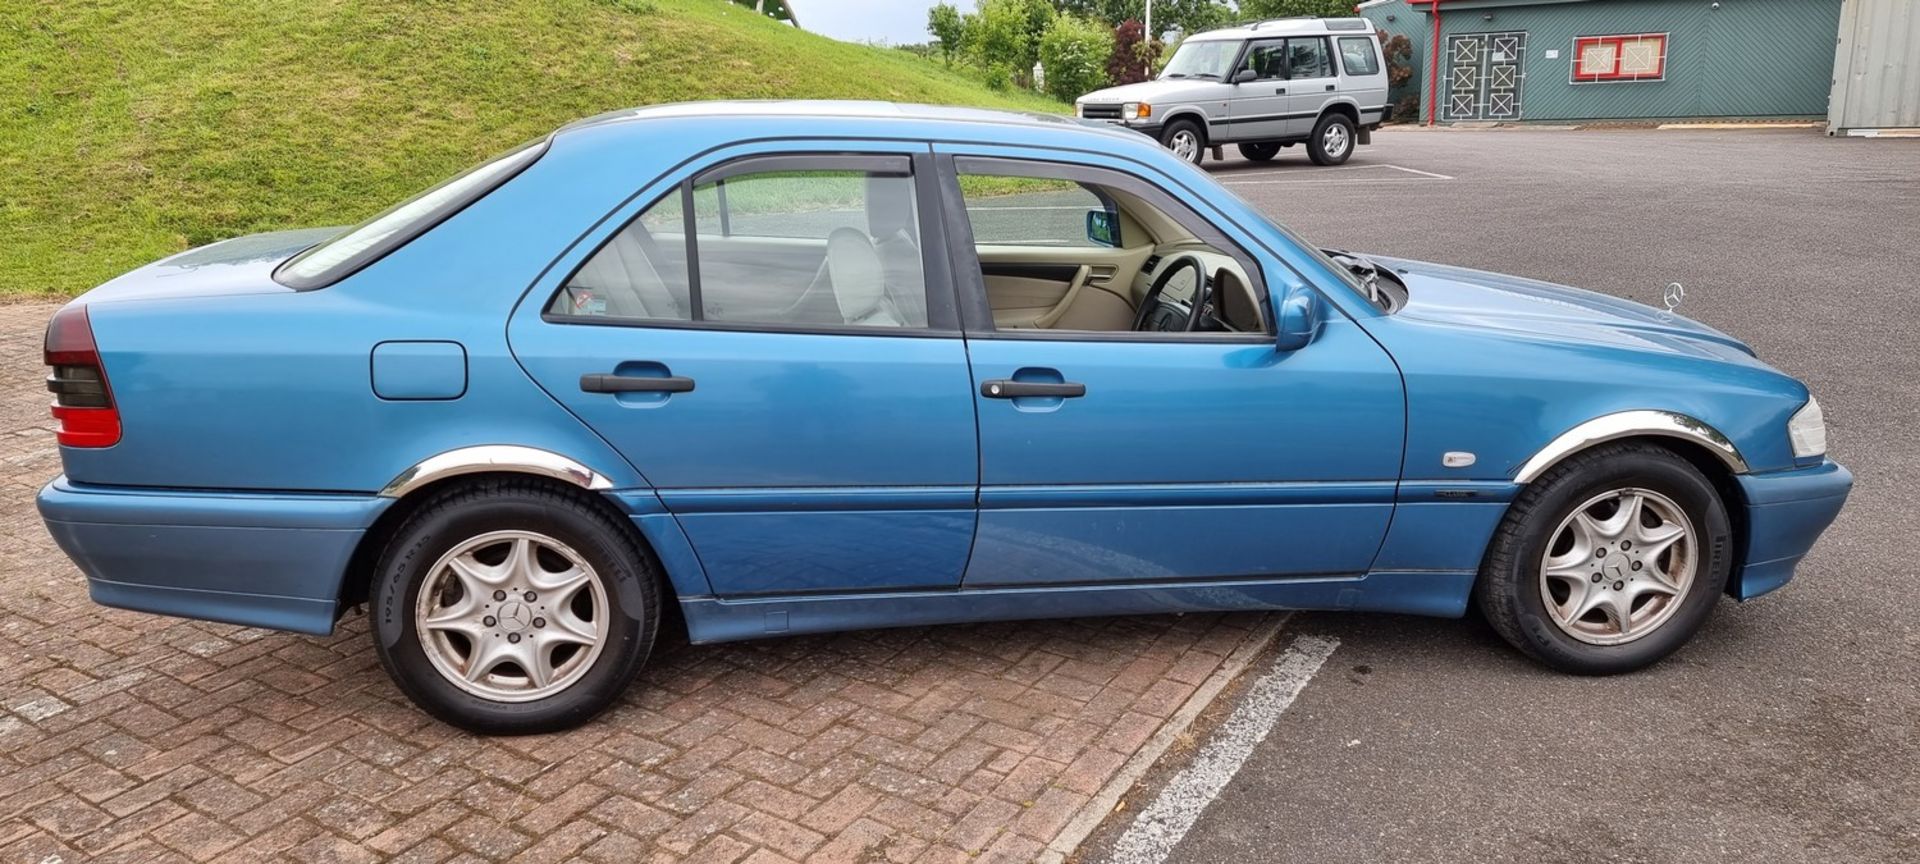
1136,110
1808,430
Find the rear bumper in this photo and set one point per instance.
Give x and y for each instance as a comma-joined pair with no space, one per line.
1786,512
262,560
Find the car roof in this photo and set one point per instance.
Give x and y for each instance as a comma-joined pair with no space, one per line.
904,112
1288,27
851,108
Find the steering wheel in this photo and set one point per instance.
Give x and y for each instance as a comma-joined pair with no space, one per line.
1159,316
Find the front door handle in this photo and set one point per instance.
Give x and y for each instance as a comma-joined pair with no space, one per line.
1280,91
1007,388
605,383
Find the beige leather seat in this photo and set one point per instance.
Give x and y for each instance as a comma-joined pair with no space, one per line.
859,281
894,225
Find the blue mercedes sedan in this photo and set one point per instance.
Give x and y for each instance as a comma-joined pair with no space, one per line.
802,367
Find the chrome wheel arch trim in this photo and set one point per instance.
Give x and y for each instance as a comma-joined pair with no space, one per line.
1632,424
511,458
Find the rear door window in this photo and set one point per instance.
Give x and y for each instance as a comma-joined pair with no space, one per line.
807,243
1307,58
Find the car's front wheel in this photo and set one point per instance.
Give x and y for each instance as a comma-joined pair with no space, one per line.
511,607
1609,562
1185,139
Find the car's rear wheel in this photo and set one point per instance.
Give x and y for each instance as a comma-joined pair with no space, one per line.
1609,562
1260,151
1332,140
512,607
1185,139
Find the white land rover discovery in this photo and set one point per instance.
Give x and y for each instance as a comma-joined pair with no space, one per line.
1317,81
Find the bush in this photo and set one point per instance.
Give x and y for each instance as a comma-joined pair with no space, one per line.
1074,53
1132,59
1406,100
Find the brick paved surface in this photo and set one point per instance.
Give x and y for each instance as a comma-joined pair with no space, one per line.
133,737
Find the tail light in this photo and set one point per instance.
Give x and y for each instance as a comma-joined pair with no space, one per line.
82,401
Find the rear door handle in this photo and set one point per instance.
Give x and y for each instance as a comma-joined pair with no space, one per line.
605,383
1007,388
1332,87
1280,91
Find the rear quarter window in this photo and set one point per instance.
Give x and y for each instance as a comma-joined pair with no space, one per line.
1358,57
365,243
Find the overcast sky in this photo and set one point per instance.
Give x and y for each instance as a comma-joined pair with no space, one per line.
895,22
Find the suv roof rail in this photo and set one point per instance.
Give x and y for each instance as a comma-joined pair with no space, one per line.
1343,23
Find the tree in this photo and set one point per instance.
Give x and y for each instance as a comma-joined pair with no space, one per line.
1190,16
948,28
1291,8
1074,52
1187,16
1132,59
1003,40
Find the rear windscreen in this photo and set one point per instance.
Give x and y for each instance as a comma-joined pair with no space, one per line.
363,244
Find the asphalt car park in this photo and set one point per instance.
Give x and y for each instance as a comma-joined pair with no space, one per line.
1785,733
1787,730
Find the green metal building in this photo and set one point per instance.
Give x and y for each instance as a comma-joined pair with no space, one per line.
1582,60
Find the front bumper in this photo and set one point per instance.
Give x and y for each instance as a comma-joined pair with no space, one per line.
1149,127
1786,512
262,560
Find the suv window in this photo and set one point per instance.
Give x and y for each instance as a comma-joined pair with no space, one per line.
1307,58
1267,60
787,247
1357,55
1032,211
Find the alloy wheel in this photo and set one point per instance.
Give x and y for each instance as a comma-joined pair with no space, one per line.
1619,566
1185,145
1334,141
512,616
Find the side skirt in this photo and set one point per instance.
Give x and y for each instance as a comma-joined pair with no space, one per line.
712,619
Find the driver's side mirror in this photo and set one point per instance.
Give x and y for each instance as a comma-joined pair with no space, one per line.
1103,228
1300,319
1245,75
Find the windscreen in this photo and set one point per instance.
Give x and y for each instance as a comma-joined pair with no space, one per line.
1205,59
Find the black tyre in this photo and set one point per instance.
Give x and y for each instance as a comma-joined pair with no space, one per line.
1186,139
1332,140
1608,562
513,607
1260,151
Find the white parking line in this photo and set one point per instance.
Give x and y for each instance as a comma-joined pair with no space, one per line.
1419,176
1161,826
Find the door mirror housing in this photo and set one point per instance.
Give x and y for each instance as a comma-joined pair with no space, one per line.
1300,318
1103,228
1245,75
